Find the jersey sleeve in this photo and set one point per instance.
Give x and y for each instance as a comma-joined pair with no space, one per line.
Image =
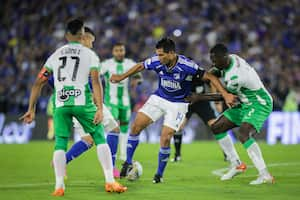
151,63
49,63
95,62
103,67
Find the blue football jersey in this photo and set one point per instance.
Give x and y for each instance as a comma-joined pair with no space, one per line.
174,84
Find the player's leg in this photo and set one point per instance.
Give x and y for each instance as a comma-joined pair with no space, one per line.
207,114
124,117
251,124
112,129
149,113
164,152
219,128
178,141
62,129
141,121
85,116
82,145
174,117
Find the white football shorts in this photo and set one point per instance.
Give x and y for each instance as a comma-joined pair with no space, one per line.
173,112
108,122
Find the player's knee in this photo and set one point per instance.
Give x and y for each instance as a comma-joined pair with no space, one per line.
136,128
88,139
165,138
116,130
245,132
215,128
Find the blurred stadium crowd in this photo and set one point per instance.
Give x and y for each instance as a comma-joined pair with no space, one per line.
265,32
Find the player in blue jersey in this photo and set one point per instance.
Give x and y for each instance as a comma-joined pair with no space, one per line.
175,74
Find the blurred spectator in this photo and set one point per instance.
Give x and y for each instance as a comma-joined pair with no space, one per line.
264,32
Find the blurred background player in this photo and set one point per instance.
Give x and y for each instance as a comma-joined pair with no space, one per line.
256,105
111,127
71,66
175,74
117,96
204,111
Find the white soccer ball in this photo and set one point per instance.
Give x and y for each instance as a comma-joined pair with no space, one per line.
135,172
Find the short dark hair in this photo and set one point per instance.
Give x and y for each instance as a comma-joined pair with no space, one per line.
118,44
166,44
88,30
74,26
219,49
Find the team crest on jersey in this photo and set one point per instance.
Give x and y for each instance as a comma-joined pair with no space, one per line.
176,76
64,95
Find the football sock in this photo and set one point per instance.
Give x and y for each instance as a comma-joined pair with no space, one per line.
104,156
228,148
177,142
77,149
123,145
256,156
163,157
112,141
59,161
133,141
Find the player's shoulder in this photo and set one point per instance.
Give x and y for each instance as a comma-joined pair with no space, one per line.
186,62
107,61
129,61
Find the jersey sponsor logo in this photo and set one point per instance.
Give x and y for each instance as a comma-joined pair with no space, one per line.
170,85
64,95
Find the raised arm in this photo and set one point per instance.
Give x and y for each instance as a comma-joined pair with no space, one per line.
135,69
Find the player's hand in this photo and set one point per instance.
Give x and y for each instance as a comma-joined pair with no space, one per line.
230,100
98,116
28,117
191,98
115,78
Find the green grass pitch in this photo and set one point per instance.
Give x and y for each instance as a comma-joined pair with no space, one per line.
25,173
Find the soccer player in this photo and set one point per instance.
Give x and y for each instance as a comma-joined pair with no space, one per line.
116,96
109,123
71,66
175,78
256,105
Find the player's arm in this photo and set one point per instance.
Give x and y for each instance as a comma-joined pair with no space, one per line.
135,69
40,81
97,95
229,98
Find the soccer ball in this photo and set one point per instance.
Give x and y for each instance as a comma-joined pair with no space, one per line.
135,172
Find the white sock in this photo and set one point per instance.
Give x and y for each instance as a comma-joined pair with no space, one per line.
229,149
59,161
255,155
104,156
123,138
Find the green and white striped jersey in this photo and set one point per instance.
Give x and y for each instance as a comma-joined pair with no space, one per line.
116,94
241,79
71,65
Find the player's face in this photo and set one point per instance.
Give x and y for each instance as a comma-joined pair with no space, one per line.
119,52
88,40
218,61
164,58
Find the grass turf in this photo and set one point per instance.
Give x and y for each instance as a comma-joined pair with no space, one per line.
25,173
